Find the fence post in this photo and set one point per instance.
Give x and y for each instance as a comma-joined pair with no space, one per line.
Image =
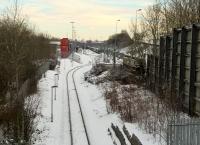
156,74
174,89
153,72
182,65
168,134
174,60
168,61
161,61
193,64
148,70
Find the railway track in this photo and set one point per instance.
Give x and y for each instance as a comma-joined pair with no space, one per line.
70,113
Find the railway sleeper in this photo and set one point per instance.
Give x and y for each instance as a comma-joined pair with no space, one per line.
132,139
119,134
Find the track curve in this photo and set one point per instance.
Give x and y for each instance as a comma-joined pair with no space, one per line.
73,70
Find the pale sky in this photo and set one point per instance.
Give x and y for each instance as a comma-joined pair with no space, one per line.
94,19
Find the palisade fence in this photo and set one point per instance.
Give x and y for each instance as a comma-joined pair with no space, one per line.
178,67
184,132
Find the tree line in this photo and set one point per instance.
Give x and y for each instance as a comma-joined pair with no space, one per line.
160,19
22,52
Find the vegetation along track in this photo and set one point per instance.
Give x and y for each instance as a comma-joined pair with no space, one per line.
73,70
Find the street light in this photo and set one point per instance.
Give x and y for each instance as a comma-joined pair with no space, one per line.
52,101
136,19
72,31
72,28
56,78
114,55
72,47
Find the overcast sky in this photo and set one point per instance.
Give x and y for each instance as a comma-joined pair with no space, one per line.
95,19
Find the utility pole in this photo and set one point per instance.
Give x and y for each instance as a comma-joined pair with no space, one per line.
136,19
72,29
114,54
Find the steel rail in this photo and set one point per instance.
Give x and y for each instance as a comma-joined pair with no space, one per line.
69,107
82,116
73,70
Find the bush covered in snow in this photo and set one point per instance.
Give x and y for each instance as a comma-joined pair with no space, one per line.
138,105
101,73
97,74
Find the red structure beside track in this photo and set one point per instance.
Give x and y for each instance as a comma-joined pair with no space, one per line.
64,46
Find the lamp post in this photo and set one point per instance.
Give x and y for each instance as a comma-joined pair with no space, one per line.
136,19
56,78
52,101
114,55
72,29
72,46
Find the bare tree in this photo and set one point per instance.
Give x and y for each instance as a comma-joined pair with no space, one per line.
137,49
179,13
20,51
152,21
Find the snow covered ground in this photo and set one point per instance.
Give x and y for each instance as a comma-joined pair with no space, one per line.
93,105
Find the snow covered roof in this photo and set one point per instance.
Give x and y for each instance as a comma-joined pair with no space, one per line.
55,42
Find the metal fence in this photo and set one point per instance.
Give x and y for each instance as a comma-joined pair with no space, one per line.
184,132
178,66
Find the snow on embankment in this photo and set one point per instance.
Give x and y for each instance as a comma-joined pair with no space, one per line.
93,103
98,76
56,132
